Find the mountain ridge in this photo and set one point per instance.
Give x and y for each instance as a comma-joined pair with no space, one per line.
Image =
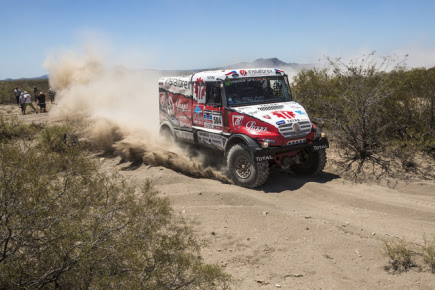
258,63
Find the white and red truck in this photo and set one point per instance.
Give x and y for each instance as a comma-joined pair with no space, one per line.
249,115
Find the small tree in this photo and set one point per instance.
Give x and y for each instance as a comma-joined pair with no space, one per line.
351,101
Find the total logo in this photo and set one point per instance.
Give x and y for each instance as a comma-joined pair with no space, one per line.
243,72
284,114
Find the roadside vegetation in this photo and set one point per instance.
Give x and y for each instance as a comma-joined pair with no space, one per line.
63,224
379,115
7,88
404,255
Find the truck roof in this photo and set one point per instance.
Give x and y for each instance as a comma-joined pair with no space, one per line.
213,75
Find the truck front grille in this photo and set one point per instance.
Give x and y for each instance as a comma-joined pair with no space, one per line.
271,108
288,131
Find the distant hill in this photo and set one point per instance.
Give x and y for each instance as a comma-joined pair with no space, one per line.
258,63
269,62
44,77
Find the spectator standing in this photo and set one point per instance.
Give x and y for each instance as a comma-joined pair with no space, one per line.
41,102
28,102
35,92
52,94
22,100
17,94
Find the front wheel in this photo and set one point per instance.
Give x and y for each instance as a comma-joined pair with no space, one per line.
310,163
244,170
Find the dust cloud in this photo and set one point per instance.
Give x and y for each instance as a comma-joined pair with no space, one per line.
121,107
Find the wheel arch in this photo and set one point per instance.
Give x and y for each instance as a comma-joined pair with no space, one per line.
240,138
167,126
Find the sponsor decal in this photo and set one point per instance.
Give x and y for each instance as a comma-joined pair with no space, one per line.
211,77
266,117
184,135
237,121
184,123
280,122
177,83
208,115
183,107
320,147
170,108
252,126
217,119
292,121
200,90
175,121
198,110
264,158
279,71
300,112
284,114
260,71
162,99
211,139
231,73
208,125
243,72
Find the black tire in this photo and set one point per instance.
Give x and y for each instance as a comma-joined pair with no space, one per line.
243,170
313,163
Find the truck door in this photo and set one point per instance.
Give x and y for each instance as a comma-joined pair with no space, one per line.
207,115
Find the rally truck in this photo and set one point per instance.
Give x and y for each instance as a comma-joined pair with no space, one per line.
249,115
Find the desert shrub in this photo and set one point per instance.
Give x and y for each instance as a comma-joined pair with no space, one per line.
65,225
10,128
57,138
428,251
7,88
377,119
400,254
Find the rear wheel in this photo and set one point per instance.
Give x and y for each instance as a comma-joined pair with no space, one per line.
244,170
310,163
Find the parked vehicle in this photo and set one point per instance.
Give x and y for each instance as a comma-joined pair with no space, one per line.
248,114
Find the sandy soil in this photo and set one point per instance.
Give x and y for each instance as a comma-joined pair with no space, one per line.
295,233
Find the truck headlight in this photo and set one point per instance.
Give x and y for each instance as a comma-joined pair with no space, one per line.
265,144
323,135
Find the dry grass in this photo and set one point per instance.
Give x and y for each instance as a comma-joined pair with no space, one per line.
400,254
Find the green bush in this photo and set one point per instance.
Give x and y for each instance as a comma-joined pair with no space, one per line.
65,225
377,119
7,88
11,127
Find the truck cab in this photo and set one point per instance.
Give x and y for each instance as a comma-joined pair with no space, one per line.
250,115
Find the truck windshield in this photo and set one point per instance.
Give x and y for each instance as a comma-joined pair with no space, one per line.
250,91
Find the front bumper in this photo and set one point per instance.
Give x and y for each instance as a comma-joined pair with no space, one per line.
264,154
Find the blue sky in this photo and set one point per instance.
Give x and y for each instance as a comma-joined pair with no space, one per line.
199,34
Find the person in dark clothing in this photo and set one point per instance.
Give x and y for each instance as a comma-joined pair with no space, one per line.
35,93
40,98
17,94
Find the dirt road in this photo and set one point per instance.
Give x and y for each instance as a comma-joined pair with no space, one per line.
298,233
